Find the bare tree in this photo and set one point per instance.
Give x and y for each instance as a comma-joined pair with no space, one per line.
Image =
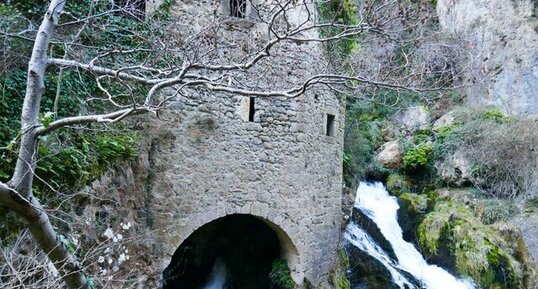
177,58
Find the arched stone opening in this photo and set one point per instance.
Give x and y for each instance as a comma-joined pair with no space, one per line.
237,250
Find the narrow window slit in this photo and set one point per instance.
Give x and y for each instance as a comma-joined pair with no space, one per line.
251,109
330,125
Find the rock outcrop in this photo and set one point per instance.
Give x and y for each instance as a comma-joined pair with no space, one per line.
501,39
390,155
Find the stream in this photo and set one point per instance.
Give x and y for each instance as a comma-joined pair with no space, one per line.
405,264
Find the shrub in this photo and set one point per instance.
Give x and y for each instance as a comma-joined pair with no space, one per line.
365,123
417,156
494,115
280,275
339,12
495,210
501,149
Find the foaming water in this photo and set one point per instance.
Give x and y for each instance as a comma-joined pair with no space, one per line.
376,203
217,279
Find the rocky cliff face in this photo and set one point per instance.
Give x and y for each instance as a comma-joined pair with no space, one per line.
502,40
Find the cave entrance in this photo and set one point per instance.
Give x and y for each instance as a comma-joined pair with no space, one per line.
232,252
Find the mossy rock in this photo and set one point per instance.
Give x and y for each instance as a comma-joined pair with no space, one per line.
397,184
477,250
339,280
411,212
414,204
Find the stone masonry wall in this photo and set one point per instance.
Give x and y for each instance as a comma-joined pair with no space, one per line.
207,160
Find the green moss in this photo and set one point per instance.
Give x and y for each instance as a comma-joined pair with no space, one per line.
344,259
429,231
340,281
338,276
397,184
478,250
415,204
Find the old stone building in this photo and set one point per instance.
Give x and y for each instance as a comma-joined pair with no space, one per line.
261,173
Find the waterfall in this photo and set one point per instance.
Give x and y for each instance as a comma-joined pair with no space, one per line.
374,201
218,277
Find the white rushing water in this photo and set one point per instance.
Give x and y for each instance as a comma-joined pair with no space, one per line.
217,279
375,202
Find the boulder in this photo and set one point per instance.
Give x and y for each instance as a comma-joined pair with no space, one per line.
528,226
397,184
390,155
413,118
411,213
455,169
443,121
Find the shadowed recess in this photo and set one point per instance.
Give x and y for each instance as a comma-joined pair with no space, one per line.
235,251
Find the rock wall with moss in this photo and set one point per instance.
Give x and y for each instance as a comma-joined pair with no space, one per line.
461,160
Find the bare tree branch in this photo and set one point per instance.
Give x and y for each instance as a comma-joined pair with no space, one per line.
101,70
100,118
136,73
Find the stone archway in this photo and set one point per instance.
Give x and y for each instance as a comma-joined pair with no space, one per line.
238,248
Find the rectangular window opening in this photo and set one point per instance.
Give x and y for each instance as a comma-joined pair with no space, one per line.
330,125
251,109
238,8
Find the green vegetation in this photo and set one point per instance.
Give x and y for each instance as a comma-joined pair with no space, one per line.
414,203
338,276
280,275
461,226
501,150
494,115
70,158
397,184
496,210
364,125
417,156
478,250
339,12
498,161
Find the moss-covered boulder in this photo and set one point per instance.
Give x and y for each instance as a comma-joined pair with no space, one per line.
413,207
414,204
453,230
397,184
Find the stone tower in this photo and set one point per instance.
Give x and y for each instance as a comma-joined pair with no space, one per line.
276,161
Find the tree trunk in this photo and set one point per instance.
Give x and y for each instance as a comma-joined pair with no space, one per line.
17,193
45,235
